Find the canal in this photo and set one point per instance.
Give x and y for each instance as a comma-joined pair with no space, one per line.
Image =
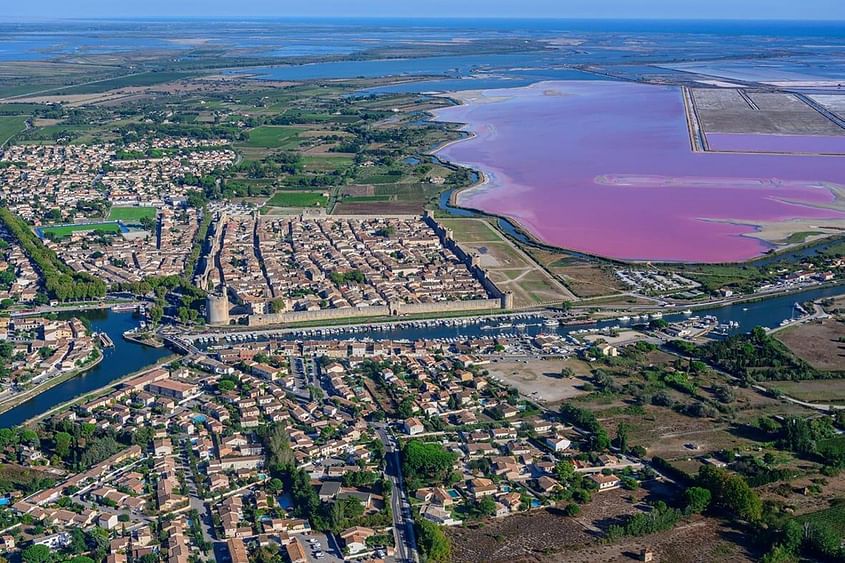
126,357
766,313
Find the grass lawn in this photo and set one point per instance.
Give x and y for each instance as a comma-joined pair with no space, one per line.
131,214
298,199
273,137
472,230
61,231
11,125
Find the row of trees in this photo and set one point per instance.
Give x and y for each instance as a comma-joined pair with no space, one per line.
60,281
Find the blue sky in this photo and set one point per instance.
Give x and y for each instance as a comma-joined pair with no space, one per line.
673,9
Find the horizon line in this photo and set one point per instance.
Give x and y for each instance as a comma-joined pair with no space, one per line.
419,18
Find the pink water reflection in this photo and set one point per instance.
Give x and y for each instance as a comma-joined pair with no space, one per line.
606,168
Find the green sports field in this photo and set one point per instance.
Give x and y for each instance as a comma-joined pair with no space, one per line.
131,214
61,231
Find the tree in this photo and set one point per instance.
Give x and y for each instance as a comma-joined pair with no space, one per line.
63,442
433,542
487,507
731,493
425,462
156,313
792,536
697,499
77,541
37,554
779,554
564,470
148,223
8,437
278,442
586,420
30,437
98,539
622,437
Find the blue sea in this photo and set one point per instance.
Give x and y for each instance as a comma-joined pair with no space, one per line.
287,38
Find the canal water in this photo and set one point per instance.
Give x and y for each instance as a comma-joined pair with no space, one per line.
766,313
126,357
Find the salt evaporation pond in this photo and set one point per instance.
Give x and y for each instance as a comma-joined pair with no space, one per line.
606,168
814,144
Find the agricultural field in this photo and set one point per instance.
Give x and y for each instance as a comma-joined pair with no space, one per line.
84,133
131,214
391,177
11,125
326,162
127,81
820,344
273,137
397,199
544,531
298,199
823,391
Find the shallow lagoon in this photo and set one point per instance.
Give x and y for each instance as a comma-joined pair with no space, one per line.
606,168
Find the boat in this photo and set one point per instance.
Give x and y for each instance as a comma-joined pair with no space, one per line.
551,323
625,319
657,316
687,312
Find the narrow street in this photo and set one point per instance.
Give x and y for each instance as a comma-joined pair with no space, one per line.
403,524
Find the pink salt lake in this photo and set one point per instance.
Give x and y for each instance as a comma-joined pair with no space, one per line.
606,168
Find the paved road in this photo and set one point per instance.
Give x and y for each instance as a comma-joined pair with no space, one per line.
403,525
196,502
